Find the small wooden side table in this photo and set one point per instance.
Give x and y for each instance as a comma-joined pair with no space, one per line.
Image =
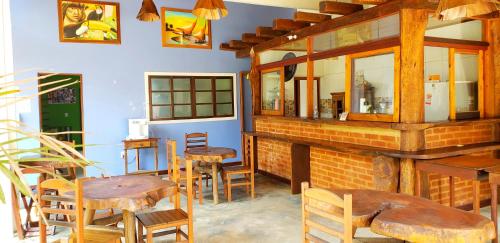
465,167
138,144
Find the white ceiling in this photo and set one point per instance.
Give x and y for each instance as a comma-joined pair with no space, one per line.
296,4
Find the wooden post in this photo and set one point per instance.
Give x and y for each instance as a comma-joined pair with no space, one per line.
494,25
310,81
413,24
255,83
386,173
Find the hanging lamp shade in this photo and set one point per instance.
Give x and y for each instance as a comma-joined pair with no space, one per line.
210,9
148,12
455,9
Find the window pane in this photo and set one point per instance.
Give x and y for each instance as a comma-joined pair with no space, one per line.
204,110
288,50
223,84
373,84
162,112
182,84
223,97
437,93
162,98
455,29
224,109
160,84
357,34
203,84
182,97
466,77
203,97
182,111
271,99
331,72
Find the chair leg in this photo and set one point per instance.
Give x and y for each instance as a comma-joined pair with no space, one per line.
140,232
177,233
252,184
229,188
200,190
149,236
248,185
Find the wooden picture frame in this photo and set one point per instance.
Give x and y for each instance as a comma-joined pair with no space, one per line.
89,21
193,32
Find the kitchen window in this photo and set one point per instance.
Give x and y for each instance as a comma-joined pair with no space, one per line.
173,96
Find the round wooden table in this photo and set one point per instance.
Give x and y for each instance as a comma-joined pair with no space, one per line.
212,155
415,219
129,193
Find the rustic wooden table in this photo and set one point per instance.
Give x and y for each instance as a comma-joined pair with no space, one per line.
415,219
494,178
129,193
212,155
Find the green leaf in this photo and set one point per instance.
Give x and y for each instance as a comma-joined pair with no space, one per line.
2,196
23,188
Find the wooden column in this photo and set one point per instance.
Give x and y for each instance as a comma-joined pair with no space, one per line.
385,171
413,24
255,83
300,166
494,27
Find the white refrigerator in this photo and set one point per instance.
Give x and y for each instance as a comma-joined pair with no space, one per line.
437,102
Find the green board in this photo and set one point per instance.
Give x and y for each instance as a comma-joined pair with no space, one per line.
60,110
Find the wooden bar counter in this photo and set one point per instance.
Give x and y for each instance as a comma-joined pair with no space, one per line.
367,155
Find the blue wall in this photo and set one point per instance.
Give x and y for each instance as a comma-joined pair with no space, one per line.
113,75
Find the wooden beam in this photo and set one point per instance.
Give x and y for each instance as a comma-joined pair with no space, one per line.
226,47
373,2
288,24
253,38
330,7
237,44
243,53
310,17
262,31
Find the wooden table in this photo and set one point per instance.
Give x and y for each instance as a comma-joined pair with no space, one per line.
128,193
415,219
465,167
212,155
139,144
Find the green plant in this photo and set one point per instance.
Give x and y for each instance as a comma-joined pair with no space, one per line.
14,159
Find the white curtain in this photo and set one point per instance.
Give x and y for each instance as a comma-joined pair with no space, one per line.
6,66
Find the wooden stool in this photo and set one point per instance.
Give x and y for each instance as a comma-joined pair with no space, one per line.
494,178
464,167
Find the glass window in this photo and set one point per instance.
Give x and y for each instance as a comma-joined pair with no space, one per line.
372,84
466,84
455,29
271,91
288,50
437,93
357,34
186,97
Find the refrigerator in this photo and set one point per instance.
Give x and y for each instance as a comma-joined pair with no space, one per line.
437,102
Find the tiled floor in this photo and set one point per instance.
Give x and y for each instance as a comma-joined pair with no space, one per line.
273,216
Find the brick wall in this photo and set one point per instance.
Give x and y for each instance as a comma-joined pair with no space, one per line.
275,157
370,136
330,169
450,136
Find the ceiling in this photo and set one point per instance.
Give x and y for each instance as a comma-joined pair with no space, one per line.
299,4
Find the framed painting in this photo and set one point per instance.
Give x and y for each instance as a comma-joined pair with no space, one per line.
89,21
180,28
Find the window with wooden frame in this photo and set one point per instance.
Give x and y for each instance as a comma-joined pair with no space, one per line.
372,85
181,97
273,88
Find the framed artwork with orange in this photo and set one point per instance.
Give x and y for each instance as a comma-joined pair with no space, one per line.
89,21
180,28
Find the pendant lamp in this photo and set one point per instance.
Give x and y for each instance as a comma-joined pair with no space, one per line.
210,9
148,12
455,9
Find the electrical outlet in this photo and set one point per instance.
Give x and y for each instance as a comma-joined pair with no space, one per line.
122,154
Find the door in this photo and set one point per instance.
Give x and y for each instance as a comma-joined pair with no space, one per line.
61,109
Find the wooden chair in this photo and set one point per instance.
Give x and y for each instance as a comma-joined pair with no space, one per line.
80,233
199,140
326,205
177,217
246,170
173,158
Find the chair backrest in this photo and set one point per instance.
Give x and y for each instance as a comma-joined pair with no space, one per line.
177,164
327,205
47,203
248,151
195,140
